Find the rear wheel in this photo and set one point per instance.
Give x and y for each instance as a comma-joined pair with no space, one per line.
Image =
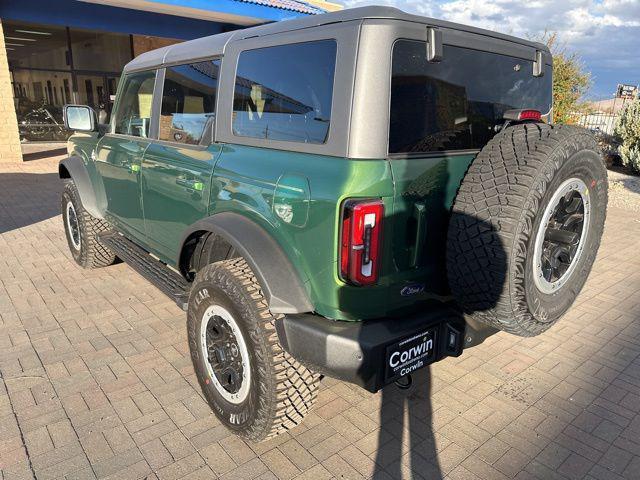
526,226
81,230
254,387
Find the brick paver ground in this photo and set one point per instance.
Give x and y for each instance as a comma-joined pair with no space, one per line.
96,380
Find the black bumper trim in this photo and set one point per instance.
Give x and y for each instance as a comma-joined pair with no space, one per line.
355,351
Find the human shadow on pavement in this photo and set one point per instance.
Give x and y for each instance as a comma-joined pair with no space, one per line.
406,441
28,198
406,415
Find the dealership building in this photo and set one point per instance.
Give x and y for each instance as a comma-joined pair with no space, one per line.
72,51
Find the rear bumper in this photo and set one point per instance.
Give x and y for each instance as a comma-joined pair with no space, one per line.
356,352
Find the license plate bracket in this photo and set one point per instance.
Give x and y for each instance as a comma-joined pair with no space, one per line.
410,354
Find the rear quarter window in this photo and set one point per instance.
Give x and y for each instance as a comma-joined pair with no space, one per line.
457,103
285,92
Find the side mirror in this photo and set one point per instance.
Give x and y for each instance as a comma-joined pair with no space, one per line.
80,118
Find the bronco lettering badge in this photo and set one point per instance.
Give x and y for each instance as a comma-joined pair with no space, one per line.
409,355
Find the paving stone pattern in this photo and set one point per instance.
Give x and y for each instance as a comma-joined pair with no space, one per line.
96,380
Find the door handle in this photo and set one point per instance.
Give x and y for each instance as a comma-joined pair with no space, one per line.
190,184
420,214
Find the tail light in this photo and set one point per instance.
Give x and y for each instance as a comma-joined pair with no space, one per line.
523,115
361,241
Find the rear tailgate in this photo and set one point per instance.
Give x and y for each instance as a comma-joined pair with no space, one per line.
441,115
424,192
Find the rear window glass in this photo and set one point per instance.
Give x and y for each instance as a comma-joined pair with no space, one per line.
285,92
456,104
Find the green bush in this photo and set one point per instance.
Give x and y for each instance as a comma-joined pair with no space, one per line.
630,155
628,129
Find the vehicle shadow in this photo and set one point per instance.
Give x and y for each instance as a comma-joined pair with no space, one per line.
28,198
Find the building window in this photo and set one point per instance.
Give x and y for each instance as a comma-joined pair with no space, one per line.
457,103
33,46
285,92
98,51
67,91
51,66
189,102
38,102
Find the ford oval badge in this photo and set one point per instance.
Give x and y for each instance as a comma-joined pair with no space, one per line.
412,289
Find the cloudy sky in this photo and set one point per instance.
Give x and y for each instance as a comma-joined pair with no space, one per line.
605,33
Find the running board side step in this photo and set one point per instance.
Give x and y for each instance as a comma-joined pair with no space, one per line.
167,280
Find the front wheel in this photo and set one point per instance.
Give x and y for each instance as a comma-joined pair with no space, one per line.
254,387
82,229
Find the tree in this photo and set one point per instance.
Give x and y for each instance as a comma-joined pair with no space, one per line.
570,81
628,129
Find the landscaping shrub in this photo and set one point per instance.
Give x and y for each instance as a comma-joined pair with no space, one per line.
630,155
628,128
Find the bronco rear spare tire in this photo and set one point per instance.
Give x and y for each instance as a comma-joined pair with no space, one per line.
526,226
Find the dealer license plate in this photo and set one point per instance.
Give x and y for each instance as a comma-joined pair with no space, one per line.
410,354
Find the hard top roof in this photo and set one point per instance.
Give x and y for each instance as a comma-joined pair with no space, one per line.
215,45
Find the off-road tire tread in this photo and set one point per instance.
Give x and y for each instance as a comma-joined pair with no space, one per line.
493,219
288,388
95,254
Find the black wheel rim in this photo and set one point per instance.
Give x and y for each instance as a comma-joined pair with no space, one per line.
223,354
73,225
561,237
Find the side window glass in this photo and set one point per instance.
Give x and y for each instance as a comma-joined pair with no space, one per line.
188,102
133,115
285,92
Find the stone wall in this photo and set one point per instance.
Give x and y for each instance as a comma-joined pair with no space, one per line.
9,138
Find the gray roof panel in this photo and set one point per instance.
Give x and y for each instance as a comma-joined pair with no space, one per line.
205,47
200,48
215,45
147,60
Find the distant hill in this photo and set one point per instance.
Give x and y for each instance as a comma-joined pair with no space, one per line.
610,105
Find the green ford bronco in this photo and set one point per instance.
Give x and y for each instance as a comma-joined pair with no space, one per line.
357,194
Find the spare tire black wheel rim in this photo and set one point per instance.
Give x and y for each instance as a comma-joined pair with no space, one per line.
560,240
73,226
225,354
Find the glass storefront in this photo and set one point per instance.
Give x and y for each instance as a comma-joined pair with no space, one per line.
53,66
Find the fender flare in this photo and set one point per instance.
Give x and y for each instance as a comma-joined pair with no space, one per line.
73,167
281,284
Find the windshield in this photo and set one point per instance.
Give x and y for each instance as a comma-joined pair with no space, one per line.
456,104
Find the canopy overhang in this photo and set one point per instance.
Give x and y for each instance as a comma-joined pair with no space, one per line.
237,12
